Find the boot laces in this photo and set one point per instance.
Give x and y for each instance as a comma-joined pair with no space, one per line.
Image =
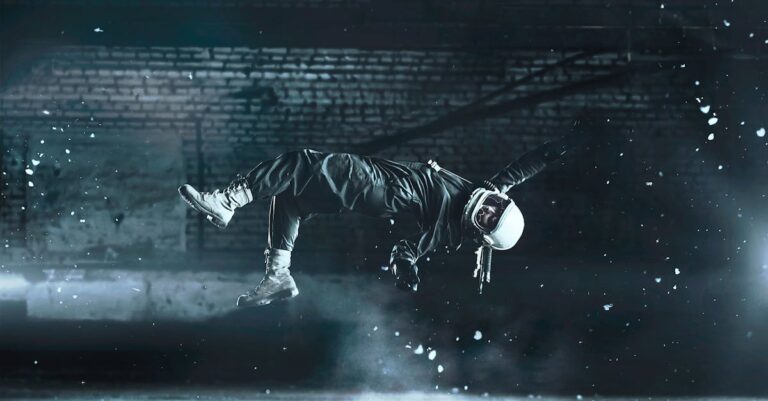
264,280
237,184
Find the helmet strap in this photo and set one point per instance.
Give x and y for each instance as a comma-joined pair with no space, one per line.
483,267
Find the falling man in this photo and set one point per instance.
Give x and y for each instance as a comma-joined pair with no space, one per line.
447,207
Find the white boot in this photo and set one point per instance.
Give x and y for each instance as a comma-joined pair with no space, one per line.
277,283
219,206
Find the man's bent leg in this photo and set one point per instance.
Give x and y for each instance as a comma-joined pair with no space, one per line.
277,284
289,170
268,178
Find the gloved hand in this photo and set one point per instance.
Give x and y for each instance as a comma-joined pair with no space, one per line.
406,275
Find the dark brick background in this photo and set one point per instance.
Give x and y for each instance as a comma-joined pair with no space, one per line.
232,107
228,107
658,220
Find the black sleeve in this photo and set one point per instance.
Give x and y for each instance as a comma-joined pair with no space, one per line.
532,162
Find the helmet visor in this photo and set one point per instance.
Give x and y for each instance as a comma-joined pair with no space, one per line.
488,214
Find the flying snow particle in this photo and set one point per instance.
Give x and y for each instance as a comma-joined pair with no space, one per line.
696,83
607,306
46,112
432,355
711,137
136,289
712,121
760,132
98,30
478,335
66,151
82,220
35,162
30,184
397,334
719,166
677,271
649,183
658,279
704,109
440,369
93,135
190,76
419,350
726,23
29,171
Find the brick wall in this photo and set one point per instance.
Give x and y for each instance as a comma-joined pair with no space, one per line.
228,108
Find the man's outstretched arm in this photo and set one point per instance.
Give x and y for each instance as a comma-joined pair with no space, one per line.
532,162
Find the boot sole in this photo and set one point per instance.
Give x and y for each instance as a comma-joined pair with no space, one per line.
194,205
276,297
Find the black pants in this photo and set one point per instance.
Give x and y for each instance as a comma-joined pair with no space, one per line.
306,182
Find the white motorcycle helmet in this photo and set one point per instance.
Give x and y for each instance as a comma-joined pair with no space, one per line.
507,230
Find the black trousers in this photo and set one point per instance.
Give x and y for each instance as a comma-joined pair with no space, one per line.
307,182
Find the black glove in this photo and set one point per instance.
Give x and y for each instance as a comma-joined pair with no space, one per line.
406,275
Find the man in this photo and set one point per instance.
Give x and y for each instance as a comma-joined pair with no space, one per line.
306,182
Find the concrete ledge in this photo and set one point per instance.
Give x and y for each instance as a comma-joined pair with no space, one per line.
120,295
88,300
13,287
